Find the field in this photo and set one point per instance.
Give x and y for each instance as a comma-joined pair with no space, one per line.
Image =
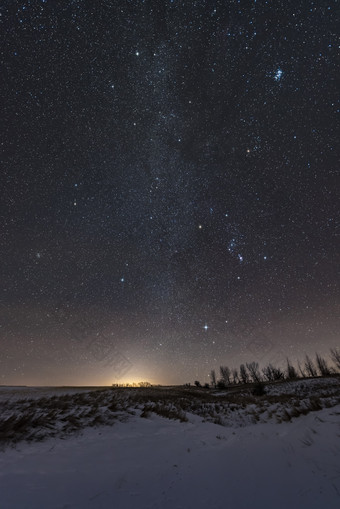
276,445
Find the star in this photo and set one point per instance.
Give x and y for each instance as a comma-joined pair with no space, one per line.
179,168
278,74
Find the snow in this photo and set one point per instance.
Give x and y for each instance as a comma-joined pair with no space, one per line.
151,463
12,393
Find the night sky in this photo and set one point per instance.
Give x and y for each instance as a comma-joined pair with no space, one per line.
168,187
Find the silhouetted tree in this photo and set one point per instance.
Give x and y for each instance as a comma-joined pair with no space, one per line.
213,377
291,371
244,377
268,373
322,365
225,374
302,371
279,374
309,367
335,356
197,383
253,368
221,384
235,376
272,374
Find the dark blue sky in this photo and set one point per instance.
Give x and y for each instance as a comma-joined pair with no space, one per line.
168,179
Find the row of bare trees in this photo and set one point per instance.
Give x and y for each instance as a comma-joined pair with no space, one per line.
250,372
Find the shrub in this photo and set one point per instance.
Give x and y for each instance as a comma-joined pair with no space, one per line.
259,389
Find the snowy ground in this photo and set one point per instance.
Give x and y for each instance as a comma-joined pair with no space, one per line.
23,392
155,462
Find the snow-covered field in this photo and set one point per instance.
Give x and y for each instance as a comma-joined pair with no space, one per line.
188,462
23,392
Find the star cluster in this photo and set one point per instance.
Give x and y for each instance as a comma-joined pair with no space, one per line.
168,186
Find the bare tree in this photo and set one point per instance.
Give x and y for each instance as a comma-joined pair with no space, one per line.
322,365
278,374
225,374
272,374
253,368
244,377
291,371
335,356
268,373
235,376
302,371
309,367
213,377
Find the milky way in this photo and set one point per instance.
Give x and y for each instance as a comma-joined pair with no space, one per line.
168,178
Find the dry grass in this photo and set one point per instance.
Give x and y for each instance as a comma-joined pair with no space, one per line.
38,419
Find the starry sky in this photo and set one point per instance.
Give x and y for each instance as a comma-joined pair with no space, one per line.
168,187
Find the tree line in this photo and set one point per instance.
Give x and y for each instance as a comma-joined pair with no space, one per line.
251,372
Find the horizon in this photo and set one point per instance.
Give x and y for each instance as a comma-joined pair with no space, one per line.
331,363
